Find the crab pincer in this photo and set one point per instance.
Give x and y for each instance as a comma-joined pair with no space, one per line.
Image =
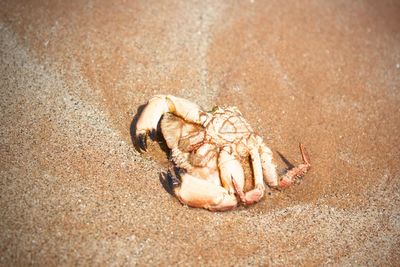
142,139
154,111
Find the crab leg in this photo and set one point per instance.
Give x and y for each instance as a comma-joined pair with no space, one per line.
232,178
297,172
161,104
199,193
257,193
231,171
269,168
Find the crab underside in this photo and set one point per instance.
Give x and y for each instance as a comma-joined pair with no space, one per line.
209,148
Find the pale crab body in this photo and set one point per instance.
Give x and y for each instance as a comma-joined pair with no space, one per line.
208,147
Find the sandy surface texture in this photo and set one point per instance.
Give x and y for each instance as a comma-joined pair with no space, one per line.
75,191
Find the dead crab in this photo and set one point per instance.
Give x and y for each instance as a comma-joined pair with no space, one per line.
208,147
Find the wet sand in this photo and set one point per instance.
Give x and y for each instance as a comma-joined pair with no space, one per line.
75,191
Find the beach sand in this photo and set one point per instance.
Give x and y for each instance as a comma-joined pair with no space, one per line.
73,74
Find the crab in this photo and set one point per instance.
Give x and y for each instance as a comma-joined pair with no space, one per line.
208,147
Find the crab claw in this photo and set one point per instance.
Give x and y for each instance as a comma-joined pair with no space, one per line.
142,139
159,105
173,175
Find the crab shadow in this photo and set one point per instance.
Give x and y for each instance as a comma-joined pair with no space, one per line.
166,182
289,165
133,127
170,179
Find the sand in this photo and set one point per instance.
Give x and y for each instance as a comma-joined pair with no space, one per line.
75,191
